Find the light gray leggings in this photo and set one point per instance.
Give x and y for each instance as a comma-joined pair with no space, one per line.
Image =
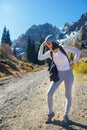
68,78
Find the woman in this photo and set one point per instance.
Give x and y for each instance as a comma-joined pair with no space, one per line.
64,71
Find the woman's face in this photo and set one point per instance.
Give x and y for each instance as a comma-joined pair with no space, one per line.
49,45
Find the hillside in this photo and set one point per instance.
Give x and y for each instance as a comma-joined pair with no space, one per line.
15,68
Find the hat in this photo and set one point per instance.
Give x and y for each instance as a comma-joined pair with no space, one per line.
51,38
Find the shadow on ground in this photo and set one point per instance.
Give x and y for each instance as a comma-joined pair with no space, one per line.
69,125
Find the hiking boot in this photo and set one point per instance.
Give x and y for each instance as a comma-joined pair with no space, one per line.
65,120
49,119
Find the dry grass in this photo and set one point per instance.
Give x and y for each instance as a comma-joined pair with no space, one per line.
81,67
9,67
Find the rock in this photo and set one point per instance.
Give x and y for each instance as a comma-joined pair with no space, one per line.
85,116
1,119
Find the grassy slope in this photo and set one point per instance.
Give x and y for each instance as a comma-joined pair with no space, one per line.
8,67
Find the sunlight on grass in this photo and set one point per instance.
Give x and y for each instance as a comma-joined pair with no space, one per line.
80,71
80,67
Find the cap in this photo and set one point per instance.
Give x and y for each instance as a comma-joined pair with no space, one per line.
51,38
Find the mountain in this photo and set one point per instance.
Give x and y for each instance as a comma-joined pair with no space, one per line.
36,32
71,31
76,26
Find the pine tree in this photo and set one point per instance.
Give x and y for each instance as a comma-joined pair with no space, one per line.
30,51
84,34
14,52
6,37
27,49
33,47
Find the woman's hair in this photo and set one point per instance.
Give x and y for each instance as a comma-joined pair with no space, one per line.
55,45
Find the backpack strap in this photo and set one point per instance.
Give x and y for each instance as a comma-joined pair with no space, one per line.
63,51
51,53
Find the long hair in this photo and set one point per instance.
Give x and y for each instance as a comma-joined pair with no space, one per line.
55,45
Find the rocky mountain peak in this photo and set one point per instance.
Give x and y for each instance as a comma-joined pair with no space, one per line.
76,26
37,32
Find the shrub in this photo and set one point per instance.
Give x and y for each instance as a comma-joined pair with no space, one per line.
86,61
81,67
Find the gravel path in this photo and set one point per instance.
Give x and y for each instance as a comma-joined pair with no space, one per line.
23,103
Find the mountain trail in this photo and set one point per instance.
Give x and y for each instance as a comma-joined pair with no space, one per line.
23,104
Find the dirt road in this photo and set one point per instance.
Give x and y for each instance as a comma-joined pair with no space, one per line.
23,103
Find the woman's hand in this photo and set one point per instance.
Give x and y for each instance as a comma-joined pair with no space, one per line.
44,44
71,65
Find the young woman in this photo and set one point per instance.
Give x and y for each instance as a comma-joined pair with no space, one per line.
64,71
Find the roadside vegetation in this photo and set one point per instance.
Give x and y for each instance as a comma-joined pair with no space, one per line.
81,66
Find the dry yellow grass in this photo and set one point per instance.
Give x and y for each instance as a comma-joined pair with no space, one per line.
80,67
15,68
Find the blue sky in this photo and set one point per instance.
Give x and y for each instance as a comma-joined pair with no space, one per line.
20,15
